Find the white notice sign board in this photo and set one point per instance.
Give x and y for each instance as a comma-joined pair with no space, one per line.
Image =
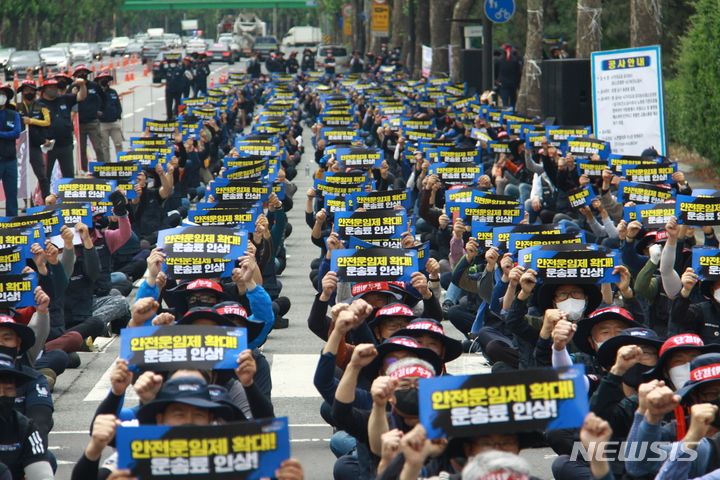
628,99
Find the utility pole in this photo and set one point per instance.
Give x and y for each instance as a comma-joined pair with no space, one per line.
487,58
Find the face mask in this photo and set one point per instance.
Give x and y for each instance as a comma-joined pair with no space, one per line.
7,405
573,307
716,295
104,84
150,183
51,92
407,401
9,351
3,99
173,65
633,376
83,76
679,375
29,96
62,85
598,346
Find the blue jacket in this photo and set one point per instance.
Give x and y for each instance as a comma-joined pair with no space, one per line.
10,126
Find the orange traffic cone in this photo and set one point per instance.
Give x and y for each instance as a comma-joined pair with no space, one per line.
127,74
16,81
145,70
40,79
92,69
132,74
212,82
101,65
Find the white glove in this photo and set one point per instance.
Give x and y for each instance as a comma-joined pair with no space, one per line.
189,75
655,252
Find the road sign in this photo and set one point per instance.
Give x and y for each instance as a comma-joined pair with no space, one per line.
499,11
380,20
347,10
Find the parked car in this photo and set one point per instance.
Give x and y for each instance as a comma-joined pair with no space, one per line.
134,48
151,48
342,58
196,45
118,45
95,50
21,60
172,40
80,53
54,58
104,48
265,45
219,52
229,42
65,48
5,55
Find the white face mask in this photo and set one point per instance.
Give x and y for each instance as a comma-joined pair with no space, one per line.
598,346
573,307
716,295
679,375
3,99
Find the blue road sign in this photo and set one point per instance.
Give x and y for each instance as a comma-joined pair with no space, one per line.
499,11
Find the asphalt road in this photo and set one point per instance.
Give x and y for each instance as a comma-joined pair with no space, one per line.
292,353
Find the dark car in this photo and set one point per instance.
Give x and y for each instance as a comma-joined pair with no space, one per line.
21,60
151,48
265,45
134,48
5,55
220,52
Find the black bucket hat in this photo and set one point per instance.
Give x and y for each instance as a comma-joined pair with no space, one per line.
585,326
607,353
453,348
392,310
394,344
182,291
7,368
206,313
188,390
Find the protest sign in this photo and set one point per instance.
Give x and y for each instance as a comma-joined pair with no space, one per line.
584,147
575,263
651,215
384,200
371,225
697,211
326,187
493,214
564,132
591,168
48,220
644,193
658,173
175,347
336,120
147,142
17,237
161,128
146,159
17,290
521,241
124,173
68,214
501,235
244,215
459,155
238,451
246,149
360,157
12,259
335,203
86,190
706,263
201,252
581,197
249,172
456,173
339,135
223,189
374,264
503,403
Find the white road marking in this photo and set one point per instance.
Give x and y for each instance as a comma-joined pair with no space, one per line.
292,375
137,110
305,440
102,387
128,115
161,98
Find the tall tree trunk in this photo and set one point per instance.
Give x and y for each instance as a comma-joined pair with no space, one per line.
397,24
589,27
357,25
529,101
457,39
440,10
408,47
645,26
422,33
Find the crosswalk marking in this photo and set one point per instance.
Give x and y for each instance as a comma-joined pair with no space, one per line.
102,387
292,375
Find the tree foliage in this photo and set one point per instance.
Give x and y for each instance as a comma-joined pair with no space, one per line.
692,98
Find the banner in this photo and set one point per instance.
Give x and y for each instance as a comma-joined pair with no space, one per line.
644,193
176,347
697,211
503,403
628,99
427,54
48,220
581,197
706,263
67,214
201,252
659,173
572,263
374,264
22,147
384,200
17,290
86,190
238,451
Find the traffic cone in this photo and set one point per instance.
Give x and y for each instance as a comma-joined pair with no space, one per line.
127,74
93,67
16,81
145,70
40,79
28,74
212,82
132,74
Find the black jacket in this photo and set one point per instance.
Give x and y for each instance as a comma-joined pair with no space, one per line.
61,127
174,78
78,299
113,107
94,102
38,114
22,444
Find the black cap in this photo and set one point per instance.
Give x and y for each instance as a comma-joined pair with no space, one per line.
607,353
188,390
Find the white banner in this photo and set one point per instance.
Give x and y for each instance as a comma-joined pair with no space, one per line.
22,148
628,99
426,60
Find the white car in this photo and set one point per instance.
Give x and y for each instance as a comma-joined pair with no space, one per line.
342,58
80,53
54,58
196,46
118,45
